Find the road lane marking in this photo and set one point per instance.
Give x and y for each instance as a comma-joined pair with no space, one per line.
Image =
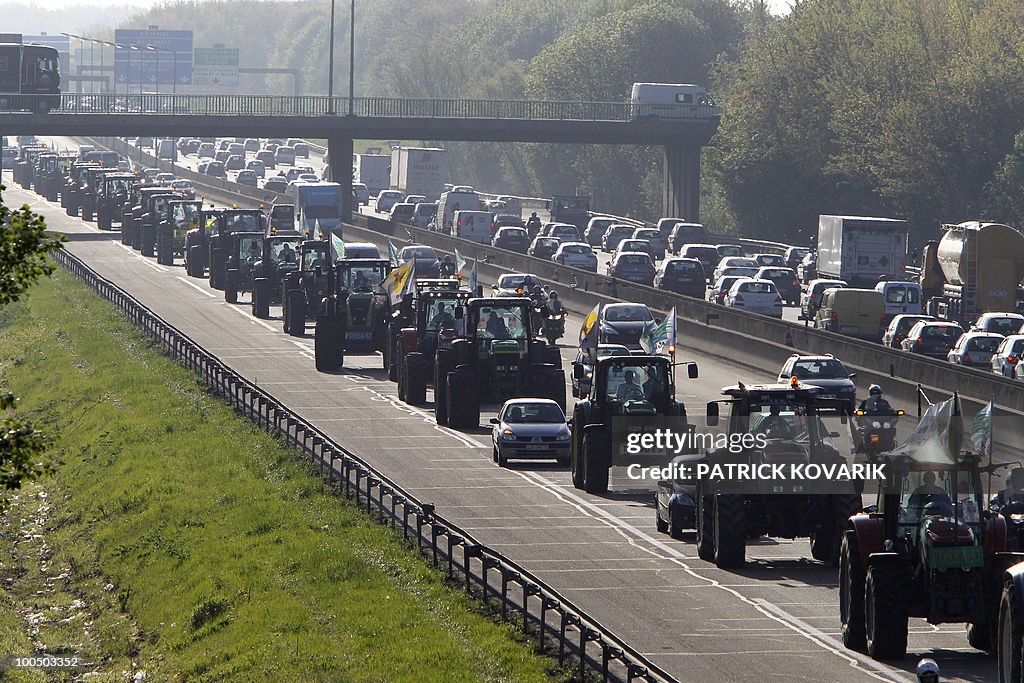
251,317
197,287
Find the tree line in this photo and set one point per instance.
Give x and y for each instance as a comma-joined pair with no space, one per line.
907,108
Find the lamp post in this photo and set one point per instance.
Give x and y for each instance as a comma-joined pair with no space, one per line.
116,48
351,58
79,39
330,66
154,48
135,48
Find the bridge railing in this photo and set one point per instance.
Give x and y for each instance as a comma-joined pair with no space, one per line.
311,105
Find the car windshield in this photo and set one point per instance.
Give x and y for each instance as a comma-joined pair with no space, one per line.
525,413
514,233
705,253
681,267
577,249
770,260
1003,325
501,322
627,312
548,242
740,262
637,382
826,368
728,250
647,234
904,325
900,294
776,273
423,253
361,278
634,259
512,281
941,332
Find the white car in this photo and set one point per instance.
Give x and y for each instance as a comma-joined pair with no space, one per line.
1000,323
1007,356
530,429
718,291
756,296
515,284
386,199
974,348
733,262
576,255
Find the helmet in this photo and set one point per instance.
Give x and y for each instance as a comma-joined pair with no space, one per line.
553,294
927,671
875,390
537,289
533,215
447,258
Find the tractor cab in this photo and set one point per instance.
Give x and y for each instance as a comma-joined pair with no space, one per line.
633,385
112,194
243,252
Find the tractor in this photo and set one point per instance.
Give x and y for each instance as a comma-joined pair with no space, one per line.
622,387
784,426
178,218
74,182
90,191
424,323
154,211
352,317
244,251
112,193
217,234
140,215
305,289
278,259
494,355
928,549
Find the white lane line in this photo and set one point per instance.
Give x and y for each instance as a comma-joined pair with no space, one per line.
197,287
632,535
250,317
155,266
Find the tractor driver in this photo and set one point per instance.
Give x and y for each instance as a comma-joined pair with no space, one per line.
629,389
654,387
287,254
1014,491
929,498
253,254
775,426
360,281
442,319
496,327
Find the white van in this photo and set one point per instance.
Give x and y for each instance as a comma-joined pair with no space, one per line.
900,297
165,149
472,225
453,201
671,101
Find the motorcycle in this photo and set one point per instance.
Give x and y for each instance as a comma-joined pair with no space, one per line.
874,434
553,326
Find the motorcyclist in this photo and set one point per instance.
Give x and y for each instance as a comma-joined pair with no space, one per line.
554,304
875,404
447,267
533,224
927,671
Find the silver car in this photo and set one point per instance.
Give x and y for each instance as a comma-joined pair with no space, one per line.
530,429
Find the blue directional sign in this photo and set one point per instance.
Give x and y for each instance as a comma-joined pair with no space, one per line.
158,58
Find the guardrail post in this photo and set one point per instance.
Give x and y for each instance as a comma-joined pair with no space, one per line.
546,603
452,542
634,671
529,590
566,621
488,563
469,551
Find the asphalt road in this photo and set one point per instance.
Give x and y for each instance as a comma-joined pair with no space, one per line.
777,619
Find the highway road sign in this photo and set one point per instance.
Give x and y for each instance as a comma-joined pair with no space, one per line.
216,68
171,63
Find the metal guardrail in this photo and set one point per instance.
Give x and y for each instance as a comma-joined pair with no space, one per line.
312,105
486,574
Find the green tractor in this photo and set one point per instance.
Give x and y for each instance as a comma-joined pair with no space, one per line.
929,550
218,232
425,322
179,216
74,184
91,190
112,193
353,315
305,289
494,355
774,425
278,260
244,252
155,210
621,387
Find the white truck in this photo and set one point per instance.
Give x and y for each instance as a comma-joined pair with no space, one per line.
317,204
419,170
449,203
372,170
862,250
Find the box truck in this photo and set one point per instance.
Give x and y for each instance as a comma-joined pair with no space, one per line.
372,170
317,203
419,170
861,250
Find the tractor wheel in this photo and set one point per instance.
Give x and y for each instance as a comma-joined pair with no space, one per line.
554,386
136,234
730,531
1011,632
295,313
825,545
87,213
194,266
885,611
463,403
443,364
328,339
261,298
706,528
415,370
165,248
231,286
596,461
148,239
979,636
217,263
851,592
552,355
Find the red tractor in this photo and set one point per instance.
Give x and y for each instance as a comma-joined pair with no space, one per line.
930,550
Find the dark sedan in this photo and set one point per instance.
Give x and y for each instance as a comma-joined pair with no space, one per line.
683,276
511,238
544,247
785,281
933,339
427,263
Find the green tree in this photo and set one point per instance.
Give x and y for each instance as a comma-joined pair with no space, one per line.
24,245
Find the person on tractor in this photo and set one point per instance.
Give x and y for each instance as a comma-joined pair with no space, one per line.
1014,491
442,319
360,282
447,267
253,254
629,389
496,327
875,404
929,498
287,254
775,426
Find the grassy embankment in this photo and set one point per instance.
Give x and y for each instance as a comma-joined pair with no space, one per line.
177,539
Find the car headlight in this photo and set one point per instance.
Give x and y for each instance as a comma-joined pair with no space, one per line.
508,434
563,435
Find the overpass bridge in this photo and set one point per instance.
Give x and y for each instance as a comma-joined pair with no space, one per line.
341,120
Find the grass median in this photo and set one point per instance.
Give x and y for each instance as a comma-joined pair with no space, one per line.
177,539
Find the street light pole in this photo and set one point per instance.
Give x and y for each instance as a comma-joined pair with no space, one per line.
330,66
154,48
351,57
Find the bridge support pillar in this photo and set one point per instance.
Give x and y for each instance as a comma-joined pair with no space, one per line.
339,156
681,198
